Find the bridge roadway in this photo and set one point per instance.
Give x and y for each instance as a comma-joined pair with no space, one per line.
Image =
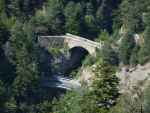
58,81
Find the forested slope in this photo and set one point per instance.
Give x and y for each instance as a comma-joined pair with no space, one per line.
21,68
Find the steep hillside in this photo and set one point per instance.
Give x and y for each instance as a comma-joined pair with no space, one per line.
132,77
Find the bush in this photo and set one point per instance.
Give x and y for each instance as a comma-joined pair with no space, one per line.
89,61
126,48
147,100
134,56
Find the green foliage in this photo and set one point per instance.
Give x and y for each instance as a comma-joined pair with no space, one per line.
75,102
26,67
126,47
21,93
2,6
89,61
109,54
134,100
3,33
55,16
68,103
54,51
103,36
73,20
131,12
40,18
134,18
11,105
145,49
24,57
147,100
74,73
95,100
134,56
23,10
127,104
105,83
2,95
89,19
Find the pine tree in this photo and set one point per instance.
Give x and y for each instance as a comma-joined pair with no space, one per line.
76,102
73,20
147,35
14,8
68,103
145,50
109,55
55,16
131,15
90,20
3,34
126,47
2,94
2,6
22,9
24,58
105,84
147,100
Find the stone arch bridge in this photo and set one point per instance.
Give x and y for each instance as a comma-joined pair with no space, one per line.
71,41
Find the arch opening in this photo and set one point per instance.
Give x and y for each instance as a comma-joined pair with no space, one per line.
77,55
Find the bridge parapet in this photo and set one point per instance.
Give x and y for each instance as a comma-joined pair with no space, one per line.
71,41
90,42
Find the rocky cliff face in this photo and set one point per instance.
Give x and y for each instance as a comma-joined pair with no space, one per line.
86,75
130,78
138,76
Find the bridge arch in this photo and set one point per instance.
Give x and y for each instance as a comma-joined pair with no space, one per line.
78,54
90,50
82,49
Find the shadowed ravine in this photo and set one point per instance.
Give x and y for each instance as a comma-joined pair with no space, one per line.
57,81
